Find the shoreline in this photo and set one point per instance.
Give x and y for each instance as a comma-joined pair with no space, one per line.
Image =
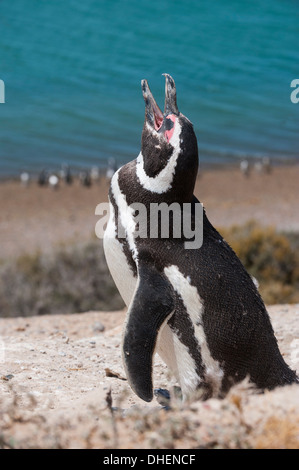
38,218
203,166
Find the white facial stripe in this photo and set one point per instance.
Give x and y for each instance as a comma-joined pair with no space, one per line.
125,213
163,181
194,308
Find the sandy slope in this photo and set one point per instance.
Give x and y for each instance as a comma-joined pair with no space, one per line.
55,385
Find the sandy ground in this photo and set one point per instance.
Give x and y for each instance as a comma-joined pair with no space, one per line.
38,218
57,373
61,376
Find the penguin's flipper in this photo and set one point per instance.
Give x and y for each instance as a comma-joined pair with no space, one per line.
151,306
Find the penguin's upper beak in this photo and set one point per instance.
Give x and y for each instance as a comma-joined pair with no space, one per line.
153,114
170,96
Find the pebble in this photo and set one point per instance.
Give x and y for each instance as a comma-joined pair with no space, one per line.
93,358
7,377
98,327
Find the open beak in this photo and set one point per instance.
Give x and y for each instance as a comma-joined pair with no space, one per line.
153,114
170,96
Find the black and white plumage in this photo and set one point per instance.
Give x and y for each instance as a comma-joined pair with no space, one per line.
66,174
198,309
43,178
53,181
85,178
25,178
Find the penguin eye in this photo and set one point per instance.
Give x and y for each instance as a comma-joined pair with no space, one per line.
170,124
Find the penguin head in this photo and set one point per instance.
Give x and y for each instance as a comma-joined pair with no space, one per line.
167,137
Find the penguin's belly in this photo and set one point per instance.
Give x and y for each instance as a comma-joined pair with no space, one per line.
118,264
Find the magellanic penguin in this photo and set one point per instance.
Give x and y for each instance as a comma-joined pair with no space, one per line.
197,308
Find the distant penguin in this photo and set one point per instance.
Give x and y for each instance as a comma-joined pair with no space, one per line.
267,166
244,167
66,174
263,165
25,178
197,308
53,181
258,166
95,174
85,178
111,168
43,178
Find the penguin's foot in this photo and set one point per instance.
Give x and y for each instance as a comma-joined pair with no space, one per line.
163,397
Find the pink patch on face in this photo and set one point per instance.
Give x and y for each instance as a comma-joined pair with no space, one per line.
168,134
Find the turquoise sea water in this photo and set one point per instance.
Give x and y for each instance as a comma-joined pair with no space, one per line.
72,72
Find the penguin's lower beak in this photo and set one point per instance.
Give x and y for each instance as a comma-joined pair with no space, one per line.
153,114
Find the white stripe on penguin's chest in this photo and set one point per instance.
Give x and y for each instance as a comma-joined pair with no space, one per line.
119,267
126,214
185,364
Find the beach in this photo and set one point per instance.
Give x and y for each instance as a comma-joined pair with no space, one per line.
37,218
62,380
